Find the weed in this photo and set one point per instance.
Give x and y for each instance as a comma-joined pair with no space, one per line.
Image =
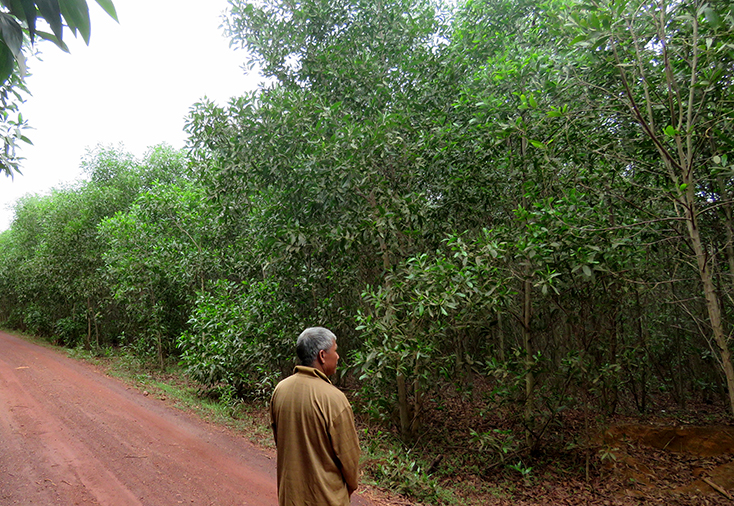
525,471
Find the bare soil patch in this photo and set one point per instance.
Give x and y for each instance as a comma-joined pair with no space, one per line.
686,463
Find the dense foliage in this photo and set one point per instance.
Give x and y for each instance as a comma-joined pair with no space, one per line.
526,201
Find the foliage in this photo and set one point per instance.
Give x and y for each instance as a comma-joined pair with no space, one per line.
156,258
240,336
520,206
416,329
18,27
53,258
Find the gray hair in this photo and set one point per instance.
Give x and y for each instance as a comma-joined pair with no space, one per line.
311,342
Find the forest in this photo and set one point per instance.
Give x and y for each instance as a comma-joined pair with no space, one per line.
516,216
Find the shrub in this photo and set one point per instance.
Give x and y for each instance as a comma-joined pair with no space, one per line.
240,336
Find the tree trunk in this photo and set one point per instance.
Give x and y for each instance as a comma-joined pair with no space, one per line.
527,345
403,408
416,421
500,337
709,290
642,335
88,341
729,227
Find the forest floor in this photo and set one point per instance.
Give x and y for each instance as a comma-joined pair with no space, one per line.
643,463
71,434
673,457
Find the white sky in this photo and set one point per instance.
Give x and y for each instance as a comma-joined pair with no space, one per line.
132,86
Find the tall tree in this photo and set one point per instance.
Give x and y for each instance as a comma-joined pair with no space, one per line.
663,71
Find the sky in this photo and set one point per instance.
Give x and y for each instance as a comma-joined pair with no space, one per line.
131,87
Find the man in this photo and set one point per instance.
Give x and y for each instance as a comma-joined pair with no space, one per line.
313,425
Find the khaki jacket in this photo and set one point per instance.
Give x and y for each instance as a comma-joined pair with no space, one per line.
318,448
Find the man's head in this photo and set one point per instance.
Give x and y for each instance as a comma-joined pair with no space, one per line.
316,347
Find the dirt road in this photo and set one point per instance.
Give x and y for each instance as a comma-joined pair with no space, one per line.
71,435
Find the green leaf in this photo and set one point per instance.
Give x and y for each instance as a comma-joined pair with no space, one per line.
15,7
712,17
76,15
6,63
51,37
670,131
538,144
109,8
24,10
683,187
12,34
29,16
51,12
587,270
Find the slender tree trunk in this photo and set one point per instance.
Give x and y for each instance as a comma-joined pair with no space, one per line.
403,407
416,422
613,357
88,342
709,290
642,335
96,329
729,227
500,337
527,317
527,345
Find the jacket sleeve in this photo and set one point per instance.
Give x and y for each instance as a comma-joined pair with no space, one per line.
346,447
273,424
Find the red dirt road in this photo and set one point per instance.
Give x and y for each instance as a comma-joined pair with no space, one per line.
71,435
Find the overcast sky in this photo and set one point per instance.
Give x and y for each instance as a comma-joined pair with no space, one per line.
133,85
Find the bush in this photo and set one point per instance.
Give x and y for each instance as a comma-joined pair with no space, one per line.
38,321
71,330
241,336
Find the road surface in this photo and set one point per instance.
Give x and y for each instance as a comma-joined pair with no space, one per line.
71,435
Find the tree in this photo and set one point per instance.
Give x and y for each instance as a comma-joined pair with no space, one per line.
18,29
52,267
664,70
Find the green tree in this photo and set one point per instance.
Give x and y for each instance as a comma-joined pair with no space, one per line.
664,72
18,32
57,287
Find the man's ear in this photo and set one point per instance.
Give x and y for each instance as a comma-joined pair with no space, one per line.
321,356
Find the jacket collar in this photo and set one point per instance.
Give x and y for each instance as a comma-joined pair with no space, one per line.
311,371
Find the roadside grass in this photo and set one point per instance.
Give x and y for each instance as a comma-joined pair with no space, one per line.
172,385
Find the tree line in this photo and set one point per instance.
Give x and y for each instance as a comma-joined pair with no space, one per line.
528,201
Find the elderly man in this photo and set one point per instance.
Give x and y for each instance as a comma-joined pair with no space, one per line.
313,425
